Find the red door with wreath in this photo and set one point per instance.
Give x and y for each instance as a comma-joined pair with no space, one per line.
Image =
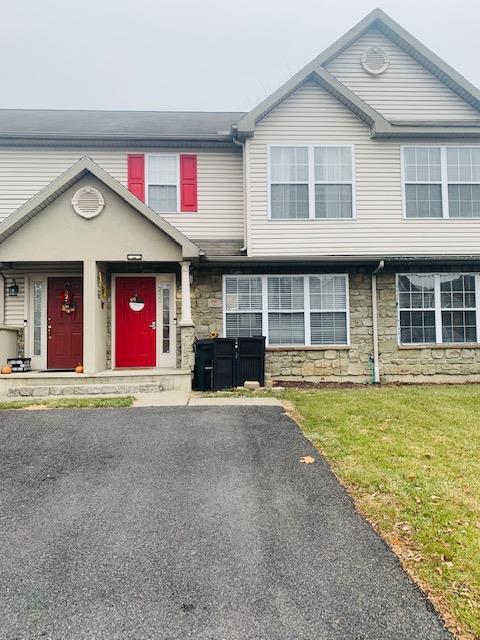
65,323
135,322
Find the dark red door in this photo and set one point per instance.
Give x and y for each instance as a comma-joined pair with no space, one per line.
135,318
65,323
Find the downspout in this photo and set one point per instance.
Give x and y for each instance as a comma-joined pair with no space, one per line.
2,299
244,176
376,359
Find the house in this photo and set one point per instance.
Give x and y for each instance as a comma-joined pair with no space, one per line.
340,218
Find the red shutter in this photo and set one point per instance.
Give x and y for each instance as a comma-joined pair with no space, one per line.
188,183
136,175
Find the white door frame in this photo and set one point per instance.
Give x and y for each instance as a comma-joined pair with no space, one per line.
162,360
40,362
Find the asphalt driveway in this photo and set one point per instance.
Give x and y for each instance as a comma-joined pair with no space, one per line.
176,523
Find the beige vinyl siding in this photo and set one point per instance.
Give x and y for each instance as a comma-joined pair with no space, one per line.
25,172
311,115
15,311
405,91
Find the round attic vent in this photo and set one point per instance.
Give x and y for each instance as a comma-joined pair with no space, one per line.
375,61
88,202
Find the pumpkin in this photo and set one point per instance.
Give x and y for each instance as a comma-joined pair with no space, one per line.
79,368
7,369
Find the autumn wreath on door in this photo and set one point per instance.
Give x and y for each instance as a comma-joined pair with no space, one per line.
136,303
68,303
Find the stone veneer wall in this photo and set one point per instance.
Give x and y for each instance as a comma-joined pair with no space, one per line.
453,363
437,363
310,363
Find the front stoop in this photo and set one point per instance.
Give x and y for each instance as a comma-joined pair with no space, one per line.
42,384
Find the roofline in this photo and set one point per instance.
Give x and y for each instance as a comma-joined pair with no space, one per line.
375,258
81,168
185,141
394,31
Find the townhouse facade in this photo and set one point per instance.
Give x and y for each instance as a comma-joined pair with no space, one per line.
340,219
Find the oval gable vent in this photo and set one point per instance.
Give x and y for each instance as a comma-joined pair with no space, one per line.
375,61
88,202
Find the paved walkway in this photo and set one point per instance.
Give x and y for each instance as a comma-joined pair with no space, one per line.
187,523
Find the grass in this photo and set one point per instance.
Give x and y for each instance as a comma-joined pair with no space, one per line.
70,403
410,457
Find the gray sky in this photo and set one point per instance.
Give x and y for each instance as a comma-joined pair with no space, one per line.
195,54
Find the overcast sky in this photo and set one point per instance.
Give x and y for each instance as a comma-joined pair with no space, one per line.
195,54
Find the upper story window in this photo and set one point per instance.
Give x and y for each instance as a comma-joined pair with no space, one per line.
163,183
311,181
441,182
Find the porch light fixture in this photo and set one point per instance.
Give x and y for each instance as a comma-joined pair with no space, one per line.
13,289
134,256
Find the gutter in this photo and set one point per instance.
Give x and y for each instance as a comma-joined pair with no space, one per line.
376,358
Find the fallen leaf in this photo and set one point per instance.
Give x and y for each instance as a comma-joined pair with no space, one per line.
307,460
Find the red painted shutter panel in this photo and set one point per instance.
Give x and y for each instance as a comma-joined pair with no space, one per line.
136,175
188,183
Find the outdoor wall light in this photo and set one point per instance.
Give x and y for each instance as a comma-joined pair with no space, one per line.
13,289
134,256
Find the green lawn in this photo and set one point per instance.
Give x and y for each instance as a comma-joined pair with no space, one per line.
69,403
410,457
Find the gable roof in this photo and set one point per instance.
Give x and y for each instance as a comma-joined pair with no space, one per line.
41,124
80,169
380,127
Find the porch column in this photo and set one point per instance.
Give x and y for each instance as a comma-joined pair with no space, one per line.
94,321
187,331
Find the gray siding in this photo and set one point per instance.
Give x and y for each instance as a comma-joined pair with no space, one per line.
313,116
405,91
24,172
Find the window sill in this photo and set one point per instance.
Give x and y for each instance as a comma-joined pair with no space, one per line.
434,345
317,347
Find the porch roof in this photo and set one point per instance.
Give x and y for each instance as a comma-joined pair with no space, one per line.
83,167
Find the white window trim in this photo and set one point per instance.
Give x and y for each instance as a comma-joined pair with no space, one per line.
444,182
306,307
311,181
438,308
177,184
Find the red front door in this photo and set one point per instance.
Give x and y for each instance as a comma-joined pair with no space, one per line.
135,319
65,323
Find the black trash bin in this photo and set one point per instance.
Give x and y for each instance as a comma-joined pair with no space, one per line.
203,370
251,360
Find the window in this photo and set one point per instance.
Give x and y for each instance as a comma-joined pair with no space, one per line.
438,308
288,309
423,182
163,190
311,181
441,182
333,182
37,318
328,309
286,306
289,178
243,306
463,167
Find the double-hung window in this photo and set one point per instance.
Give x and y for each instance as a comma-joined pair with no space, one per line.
311,181
288,309
243,306
163,187
441,181
438,308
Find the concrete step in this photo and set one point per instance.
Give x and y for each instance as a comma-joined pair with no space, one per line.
87,389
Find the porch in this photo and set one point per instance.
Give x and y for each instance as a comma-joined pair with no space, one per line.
92,278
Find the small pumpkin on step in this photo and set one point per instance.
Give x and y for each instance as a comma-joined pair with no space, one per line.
79,368
7,369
